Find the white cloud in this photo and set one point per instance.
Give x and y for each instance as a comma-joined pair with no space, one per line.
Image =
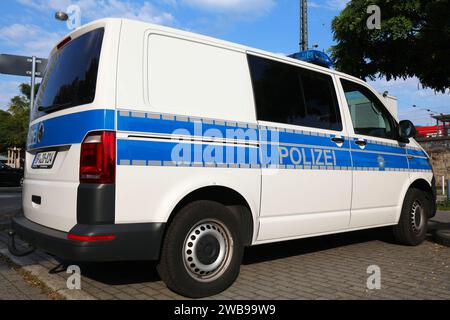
29,39
335,5
255,7
8,89
93,10
409,92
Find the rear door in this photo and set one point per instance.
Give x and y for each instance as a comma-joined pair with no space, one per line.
305,157
65,111
380,164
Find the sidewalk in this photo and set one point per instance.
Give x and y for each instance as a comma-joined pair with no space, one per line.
329,267
13,286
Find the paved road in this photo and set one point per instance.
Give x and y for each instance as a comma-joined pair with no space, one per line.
331,267
10,203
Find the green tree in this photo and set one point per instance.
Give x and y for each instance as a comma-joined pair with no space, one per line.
14,122
414,40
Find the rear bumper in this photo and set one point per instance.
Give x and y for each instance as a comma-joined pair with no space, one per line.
132,241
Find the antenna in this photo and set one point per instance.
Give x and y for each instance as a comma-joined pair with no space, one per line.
303,25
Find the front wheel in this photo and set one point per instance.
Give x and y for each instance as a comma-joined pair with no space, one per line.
202,250
412,227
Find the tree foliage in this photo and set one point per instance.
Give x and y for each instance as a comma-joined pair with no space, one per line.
414,40
14,122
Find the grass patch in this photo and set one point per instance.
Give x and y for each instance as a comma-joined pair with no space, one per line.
444,205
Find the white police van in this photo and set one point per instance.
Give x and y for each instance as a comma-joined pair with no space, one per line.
149,143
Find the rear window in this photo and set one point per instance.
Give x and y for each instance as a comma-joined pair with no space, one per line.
71,76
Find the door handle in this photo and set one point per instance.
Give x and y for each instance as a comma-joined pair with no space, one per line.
338,140
410,157
361,143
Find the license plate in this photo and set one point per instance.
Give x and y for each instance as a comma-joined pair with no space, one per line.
44,160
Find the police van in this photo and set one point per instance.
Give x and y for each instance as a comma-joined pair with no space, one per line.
149,143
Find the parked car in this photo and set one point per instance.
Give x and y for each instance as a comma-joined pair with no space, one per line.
10,177
164,145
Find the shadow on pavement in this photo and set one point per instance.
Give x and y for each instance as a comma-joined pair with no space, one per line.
286,249
121,273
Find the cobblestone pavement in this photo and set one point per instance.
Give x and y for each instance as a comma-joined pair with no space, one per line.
330,267
14,287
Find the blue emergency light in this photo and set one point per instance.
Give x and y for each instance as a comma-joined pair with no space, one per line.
314,56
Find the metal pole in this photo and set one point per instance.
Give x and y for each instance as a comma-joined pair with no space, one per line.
33,81
303,25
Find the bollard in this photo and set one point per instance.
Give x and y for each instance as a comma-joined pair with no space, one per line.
443,185
448,189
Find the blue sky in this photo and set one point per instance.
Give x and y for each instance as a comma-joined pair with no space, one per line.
27,27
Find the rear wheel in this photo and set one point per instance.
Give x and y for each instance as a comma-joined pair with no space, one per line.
412,227
202,250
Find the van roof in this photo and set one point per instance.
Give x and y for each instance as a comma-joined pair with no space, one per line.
210,40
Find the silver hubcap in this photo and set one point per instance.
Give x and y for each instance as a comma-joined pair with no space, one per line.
417,217
207,250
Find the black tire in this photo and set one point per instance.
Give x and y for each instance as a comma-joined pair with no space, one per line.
412,227
213,227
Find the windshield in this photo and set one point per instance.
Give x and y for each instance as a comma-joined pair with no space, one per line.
71,76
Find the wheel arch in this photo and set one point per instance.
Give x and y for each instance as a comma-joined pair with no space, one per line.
232,199
423,185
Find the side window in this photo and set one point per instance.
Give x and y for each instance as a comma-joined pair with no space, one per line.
292,95
322,110
369,116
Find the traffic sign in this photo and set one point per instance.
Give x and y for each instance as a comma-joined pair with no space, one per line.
21,66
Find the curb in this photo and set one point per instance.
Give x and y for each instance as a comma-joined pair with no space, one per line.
53,282
36,265
442,237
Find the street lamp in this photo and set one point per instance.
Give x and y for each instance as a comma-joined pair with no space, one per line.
428,110
61,16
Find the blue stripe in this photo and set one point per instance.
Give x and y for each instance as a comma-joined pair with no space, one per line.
292,148
376,147
304,138
416,152
419,164
380,161
175,126
70,128
137,150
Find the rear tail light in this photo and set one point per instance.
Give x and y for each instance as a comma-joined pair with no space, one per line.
98,158
83,238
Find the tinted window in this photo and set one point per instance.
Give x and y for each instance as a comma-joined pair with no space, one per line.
71,75
293,95
369,116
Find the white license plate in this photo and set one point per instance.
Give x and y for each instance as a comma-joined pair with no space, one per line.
44,160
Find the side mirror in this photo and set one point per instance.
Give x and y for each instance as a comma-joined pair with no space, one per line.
407,130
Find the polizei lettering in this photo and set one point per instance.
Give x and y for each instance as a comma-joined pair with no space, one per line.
299,156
